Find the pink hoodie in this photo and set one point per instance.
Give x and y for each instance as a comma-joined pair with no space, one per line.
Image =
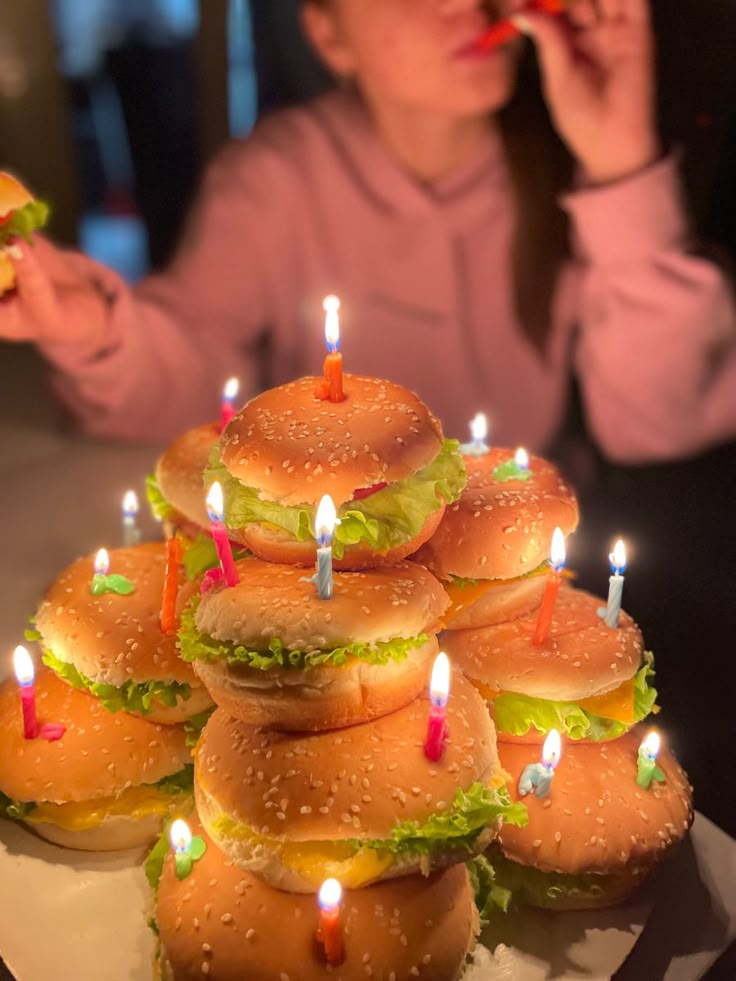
312,204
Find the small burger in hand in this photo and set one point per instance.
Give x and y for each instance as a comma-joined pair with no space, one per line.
20,215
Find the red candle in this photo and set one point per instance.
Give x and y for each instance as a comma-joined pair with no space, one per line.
171,585
329,933
439,690
505,30
547,609
25,674
215,510
331,388
227,406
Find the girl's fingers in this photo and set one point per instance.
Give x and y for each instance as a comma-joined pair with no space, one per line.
582,14
553,45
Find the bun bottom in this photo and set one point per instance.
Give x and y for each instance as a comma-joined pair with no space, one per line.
504,601
262,857
274,545
321,698
116,833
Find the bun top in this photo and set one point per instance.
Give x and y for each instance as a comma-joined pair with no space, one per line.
295,447
596,818
582,657
353,783
99,755
12,194
500,530
112,638
407,926
180,469
274,600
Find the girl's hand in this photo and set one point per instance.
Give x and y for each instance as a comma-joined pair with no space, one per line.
51,303
598,75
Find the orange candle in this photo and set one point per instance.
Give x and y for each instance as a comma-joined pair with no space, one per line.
171,585
547,609
329,933
331,388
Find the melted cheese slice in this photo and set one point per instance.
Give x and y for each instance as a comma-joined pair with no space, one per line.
617,705
463,595
136,803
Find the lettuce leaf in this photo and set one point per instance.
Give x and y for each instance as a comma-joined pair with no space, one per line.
516,714
195,724
14,809
459,827
488,894
383,520
154,865
128,698
160,507
25,220
199,556
532,887
181,782
196,646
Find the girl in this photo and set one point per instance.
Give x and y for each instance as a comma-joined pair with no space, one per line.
427,193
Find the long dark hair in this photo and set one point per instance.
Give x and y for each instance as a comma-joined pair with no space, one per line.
540,168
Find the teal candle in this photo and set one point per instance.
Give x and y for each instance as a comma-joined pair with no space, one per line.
187,850
647,770
103,583
515,469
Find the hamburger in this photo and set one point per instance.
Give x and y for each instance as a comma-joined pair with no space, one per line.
20,216
272,653
361,804
113,646
222,922
587,680
491,547
108,783
597,835
379,454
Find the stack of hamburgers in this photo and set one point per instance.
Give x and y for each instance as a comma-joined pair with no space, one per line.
596,833
312,767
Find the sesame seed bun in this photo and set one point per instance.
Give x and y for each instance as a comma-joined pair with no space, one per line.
13,194
581,658
492,601
263,795
99,757
295,447
596,819
113,639
221,917
501,530
179,473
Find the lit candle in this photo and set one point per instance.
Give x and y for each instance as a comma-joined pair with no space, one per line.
324,529
521,459
439,690
104,583
516,468
617,558
26,675
547,609
329,933
131,532
537,777
216,512
478,433
227,405
171,585
187,850
646,764
331,387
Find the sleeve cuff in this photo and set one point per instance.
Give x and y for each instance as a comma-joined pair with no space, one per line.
631,218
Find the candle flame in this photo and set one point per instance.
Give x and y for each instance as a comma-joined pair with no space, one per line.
617,558
521,457
651,744
479,427
214,501
180,835
331,305
552,749
439,686
130,504
557,553
231,389
102,562
330,894
325,521
23,666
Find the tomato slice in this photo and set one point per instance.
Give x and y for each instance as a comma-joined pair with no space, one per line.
363,492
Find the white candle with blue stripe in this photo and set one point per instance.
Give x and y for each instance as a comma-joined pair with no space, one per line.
617,558
324,529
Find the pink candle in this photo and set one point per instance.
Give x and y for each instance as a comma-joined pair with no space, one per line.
215,510
439,690
227,406
25,674
552,588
